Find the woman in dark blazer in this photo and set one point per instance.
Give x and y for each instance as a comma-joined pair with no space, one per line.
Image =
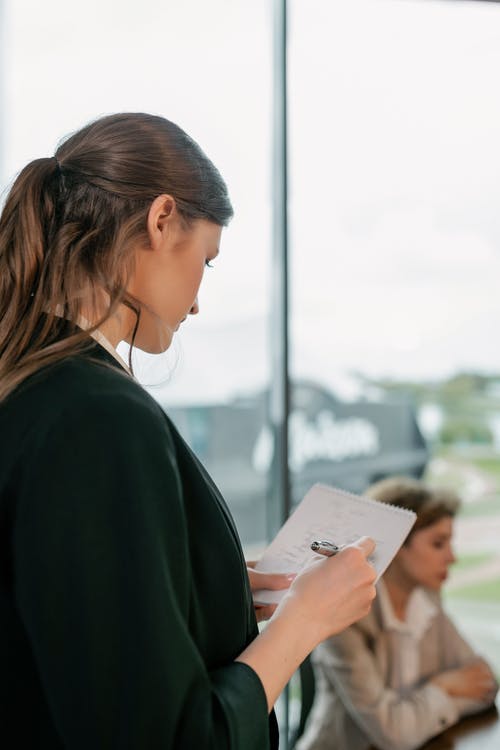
126,615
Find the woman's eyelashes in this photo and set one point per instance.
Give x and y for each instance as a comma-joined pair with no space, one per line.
208,264
440,543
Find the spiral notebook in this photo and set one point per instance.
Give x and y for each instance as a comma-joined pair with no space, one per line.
337,516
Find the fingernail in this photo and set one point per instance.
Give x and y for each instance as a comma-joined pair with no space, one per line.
291,577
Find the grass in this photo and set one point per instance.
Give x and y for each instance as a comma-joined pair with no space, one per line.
487,507
490,465
484,591
465,562
458,464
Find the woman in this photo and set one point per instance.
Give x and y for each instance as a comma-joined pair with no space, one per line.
125,603
403,673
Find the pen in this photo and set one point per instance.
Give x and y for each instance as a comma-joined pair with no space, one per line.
329,549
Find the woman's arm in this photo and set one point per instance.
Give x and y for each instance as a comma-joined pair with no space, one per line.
326,598
469,680
473,686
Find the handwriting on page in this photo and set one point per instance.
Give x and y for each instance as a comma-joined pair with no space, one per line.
339,517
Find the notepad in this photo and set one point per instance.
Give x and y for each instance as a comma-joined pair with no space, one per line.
337,516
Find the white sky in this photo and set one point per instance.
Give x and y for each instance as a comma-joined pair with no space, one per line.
395,167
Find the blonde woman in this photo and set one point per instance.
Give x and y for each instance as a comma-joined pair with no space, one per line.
403,673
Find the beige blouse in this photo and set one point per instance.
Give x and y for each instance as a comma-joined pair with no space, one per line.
103,341
373,683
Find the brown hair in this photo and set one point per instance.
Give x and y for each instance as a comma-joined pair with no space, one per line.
70,223
429,503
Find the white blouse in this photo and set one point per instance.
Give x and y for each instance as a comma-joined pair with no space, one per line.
407,634
106,344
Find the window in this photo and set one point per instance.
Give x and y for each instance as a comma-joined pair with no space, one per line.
195,63
395,257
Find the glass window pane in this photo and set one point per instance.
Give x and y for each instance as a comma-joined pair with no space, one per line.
195,63
395,181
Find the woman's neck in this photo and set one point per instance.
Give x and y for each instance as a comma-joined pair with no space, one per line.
399,587
116,328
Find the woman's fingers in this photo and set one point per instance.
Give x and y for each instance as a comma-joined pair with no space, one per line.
470,681
331,593
272,581
264,611
365,544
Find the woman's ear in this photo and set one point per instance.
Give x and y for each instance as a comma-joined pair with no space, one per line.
161,215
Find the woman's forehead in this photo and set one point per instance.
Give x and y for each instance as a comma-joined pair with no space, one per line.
442,527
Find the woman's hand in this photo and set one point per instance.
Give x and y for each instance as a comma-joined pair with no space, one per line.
271,581
474,680
331,593
326,597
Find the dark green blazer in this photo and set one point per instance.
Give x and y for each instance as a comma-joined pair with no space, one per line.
124,597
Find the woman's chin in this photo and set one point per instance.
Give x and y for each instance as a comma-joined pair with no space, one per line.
154,344
436,584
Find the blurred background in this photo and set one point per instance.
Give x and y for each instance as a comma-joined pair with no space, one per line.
394,237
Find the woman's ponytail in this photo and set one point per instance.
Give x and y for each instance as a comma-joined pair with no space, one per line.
27,225
27,230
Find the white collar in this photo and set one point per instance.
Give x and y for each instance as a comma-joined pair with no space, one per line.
420,612
106,344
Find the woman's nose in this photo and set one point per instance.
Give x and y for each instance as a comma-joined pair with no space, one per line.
195,309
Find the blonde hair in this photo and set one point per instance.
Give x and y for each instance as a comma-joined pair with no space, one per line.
429,503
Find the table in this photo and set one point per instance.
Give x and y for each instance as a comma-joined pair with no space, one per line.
479,732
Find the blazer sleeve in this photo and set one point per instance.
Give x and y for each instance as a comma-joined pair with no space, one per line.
458,653
102,578
392,720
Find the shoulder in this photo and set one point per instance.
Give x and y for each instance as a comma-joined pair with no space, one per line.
82,395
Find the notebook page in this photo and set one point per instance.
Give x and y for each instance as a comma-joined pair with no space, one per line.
337,516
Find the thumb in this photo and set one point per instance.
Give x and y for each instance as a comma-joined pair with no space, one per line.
366,544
